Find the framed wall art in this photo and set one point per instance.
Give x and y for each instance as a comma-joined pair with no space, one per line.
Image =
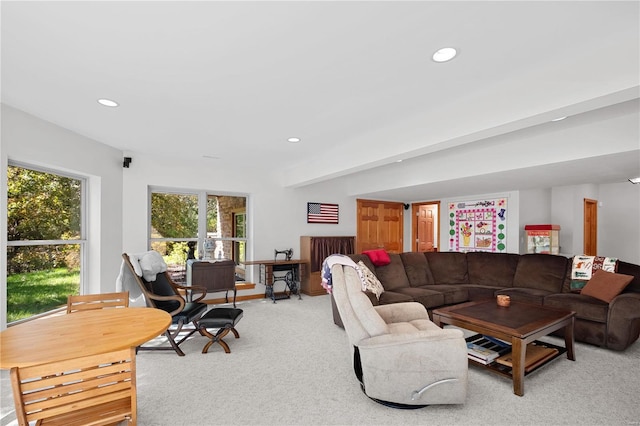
322,213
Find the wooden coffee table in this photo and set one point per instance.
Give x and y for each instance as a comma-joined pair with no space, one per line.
519,323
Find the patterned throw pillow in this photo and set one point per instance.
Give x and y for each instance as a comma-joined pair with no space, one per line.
584,266
371,282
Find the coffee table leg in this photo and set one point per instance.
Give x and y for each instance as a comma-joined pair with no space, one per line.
569,340
436,320
518,353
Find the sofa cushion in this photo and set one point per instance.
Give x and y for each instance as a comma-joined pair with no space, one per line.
492,269
364,259
585,307
392,276
479,292
429,298
526,295
378,257
541,271
448,267
452,293
393,297
606,286
371,282
417,268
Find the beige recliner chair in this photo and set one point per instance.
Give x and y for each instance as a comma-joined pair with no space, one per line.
400,357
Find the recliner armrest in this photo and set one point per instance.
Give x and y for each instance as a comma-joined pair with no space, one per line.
423,338
402,312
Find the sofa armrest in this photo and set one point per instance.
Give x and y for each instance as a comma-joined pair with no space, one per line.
623,324
402,312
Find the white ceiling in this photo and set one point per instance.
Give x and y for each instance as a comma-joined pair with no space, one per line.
353,80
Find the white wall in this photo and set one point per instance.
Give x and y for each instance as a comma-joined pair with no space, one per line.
535,209
567,210
619,221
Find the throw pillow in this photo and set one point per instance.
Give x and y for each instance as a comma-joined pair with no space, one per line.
606,285
378,257
370,281
583,268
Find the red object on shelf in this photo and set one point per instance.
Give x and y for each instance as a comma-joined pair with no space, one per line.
541,227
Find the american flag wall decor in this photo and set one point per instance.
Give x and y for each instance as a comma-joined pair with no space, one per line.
322,213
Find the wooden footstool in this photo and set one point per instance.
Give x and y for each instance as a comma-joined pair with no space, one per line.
222,319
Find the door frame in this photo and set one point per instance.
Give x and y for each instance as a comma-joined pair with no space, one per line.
414,223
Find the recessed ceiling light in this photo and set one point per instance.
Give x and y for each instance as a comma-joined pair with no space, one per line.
635,180
108,103
294,140
559,118
445,54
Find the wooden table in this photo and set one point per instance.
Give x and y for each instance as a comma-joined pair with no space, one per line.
266,275
520,324
67,336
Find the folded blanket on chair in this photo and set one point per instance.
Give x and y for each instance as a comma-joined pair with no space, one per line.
148,264
333,260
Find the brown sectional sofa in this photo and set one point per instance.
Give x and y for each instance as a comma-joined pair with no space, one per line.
445,278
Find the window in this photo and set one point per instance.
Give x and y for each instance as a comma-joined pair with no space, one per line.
45,240
183,219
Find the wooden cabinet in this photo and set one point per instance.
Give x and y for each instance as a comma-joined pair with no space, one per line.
314,250
215,275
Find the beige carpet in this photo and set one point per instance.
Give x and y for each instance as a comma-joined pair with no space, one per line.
291,366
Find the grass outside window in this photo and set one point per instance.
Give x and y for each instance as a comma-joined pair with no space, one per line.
33,293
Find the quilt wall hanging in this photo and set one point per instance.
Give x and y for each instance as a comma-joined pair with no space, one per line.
478,225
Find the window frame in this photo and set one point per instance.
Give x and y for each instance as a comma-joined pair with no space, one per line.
82,242
202,218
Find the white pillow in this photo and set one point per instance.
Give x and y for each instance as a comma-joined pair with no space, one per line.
370,281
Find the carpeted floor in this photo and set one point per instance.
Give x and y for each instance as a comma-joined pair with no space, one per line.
292,366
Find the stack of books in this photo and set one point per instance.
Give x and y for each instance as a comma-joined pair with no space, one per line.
486,349
535,356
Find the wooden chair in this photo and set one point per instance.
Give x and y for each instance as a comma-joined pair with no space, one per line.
92,390
87,302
